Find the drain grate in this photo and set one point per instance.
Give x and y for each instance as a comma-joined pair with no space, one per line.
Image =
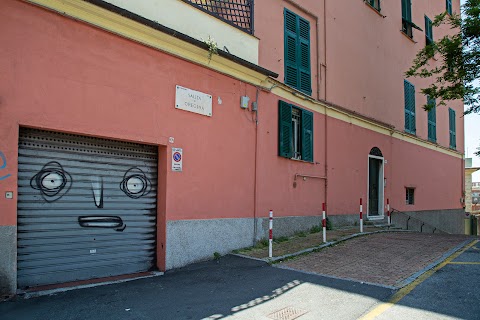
288,313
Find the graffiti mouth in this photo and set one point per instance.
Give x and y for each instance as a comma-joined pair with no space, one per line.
109,222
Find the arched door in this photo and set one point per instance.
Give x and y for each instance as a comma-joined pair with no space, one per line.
375,184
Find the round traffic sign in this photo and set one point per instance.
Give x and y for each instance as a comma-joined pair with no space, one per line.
177,156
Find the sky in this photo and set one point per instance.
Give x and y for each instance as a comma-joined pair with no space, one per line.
472,136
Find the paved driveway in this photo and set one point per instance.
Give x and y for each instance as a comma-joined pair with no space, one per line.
381,258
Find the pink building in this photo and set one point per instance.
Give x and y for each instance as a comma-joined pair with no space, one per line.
149,134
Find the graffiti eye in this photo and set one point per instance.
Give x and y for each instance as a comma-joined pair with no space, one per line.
52,181
135,183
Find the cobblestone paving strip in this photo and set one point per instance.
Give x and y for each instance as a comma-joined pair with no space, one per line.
295,244
383,258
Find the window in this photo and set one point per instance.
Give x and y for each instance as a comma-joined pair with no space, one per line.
295,132
374,3
428,31
410,195
409,95
297,52
432,120
407,18
452,127
449,6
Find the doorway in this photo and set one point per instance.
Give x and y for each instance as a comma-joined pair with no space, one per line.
375,191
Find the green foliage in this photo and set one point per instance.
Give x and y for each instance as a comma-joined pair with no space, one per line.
329,224
212,47
280,239
261,244
216,256
316,229
459,55
301,234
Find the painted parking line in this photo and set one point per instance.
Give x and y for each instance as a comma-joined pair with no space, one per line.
378,310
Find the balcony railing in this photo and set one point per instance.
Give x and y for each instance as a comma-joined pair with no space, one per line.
238,13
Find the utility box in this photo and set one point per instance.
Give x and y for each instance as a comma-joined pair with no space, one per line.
244,100
468,224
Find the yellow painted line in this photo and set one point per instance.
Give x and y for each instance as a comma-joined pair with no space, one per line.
406,290
466,262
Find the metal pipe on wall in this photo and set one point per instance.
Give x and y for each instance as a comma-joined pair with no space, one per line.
317,54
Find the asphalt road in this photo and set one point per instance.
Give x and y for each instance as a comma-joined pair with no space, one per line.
234,287
238,288
452,292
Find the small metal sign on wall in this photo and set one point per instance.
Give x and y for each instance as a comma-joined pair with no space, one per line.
193,101
177,159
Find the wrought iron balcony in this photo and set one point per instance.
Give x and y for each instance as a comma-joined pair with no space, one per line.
238,13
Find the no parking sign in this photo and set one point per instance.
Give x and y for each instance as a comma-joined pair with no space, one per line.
177,158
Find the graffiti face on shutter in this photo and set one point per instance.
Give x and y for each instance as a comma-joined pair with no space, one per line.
53,182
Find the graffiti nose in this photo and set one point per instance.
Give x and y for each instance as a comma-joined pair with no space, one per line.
97,190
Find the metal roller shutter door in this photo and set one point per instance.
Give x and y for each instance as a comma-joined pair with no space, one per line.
86,208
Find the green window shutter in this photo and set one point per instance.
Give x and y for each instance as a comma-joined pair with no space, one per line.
375,4
291,52
307,135
452,127
285,147
407,10
409,96
428,30
304,59
297,52
449,6
432,121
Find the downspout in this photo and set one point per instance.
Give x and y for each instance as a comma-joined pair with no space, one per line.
462,180
319,70
255,173
325,84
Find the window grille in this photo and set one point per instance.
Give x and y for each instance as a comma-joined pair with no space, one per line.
296,130
238,13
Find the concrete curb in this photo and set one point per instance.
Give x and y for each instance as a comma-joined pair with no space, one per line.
248,257
29,295
432,265
322,246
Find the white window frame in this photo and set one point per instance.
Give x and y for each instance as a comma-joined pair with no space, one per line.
413,202
296,123
381,189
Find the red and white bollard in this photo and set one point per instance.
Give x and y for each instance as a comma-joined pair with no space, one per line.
324,223
389,218
270,234
361,216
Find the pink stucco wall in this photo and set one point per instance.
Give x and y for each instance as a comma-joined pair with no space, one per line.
436,177
363,56
63,75
59,74
275,175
